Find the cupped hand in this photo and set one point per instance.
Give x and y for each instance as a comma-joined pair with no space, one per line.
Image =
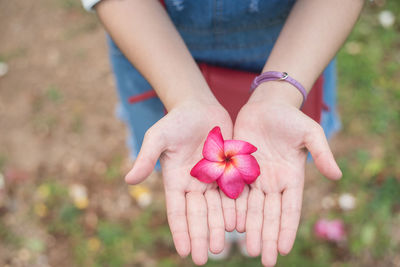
194,209
283,135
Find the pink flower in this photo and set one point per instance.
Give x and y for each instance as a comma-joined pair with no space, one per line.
228,162
331,230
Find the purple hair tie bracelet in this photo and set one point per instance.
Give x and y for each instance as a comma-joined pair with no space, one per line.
279,76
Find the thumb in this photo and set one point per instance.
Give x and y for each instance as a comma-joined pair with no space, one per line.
151,149
316,143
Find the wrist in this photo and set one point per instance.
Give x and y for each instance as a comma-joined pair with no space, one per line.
277,92
201,95
198,102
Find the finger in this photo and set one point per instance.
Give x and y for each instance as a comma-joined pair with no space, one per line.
241,209
291,211
272,218
316,143
197,221
254,221
215,221
151,149
228,208
176,213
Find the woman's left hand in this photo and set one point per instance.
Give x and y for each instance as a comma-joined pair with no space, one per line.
282,134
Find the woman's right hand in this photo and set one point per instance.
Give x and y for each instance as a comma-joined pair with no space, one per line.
193,208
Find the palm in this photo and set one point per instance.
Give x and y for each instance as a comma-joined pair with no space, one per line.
180,136
185,142
186,132
280,133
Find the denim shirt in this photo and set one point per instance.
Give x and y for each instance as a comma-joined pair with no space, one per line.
234,34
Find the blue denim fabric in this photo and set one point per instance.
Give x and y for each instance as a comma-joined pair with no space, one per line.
330,120
235,34
139,116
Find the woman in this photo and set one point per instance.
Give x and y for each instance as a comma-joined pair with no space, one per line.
160,47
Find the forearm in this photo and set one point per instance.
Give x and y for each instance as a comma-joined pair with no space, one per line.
147,37
310,38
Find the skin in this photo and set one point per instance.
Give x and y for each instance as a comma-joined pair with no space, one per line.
272,121
269,209
283,136
193,207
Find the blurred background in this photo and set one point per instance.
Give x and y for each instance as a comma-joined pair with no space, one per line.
63,201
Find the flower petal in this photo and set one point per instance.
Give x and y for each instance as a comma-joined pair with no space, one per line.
248,167
238,147
207,171
231,182
213,149
332,230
